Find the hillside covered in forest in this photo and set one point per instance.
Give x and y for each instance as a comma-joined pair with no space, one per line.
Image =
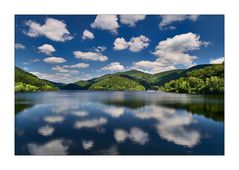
200,79
27,82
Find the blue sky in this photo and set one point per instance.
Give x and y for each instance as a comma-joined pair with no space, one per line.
78,47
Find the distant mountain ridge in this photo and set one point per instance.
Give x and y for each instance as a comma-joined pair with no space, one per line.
149,81
132,80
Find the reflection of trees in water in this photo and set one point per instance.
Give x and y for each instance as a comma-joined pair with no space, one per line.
22,104
210,107
132,104
211,111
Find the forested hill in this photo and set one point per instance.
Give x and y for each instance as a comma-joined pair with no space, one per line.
200,79
27,82
206,80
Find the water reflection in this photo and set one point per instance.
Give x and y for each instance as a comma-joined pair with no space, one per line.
54,147
119,123
92,123
135,135
87,145
46,130
171,125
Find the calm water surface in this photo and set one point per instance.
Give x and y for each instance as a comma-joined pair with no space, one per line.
91,122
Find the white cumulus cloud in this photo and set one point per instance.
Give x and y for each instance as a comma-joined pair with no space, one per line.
94,56
168,19
20,46
131,20
78,65
138,43
106,22
54,60
47,49
87,35
115,66
53,29
217,60
120,44
173,52
135,44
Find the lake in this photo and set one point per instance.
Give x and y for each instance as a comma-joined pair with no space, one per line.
118,123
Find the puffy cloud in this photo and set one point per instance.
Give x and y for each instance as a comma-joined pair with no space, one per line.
92,123
47,49
131,19
54,119
106,22
173,51
54,60
135,135
66,68
99,49
87,35
152,66
54,147
60,69
58,77
46,130
115,66
138,43
94,56
168,19
120,44
87,145
53,29
20,46
78,65
135,44
217,60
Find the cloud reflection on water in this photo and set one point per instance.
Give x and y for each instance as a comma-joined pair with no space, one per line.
87,145
54,119
46,130
54,147
171,125
91,123
135,134
114,111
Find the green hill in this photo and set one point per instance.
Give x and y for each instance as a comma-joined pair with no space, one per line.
115,82
56,84
138,76
160,79
27,82
208,79
200,79
79,85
